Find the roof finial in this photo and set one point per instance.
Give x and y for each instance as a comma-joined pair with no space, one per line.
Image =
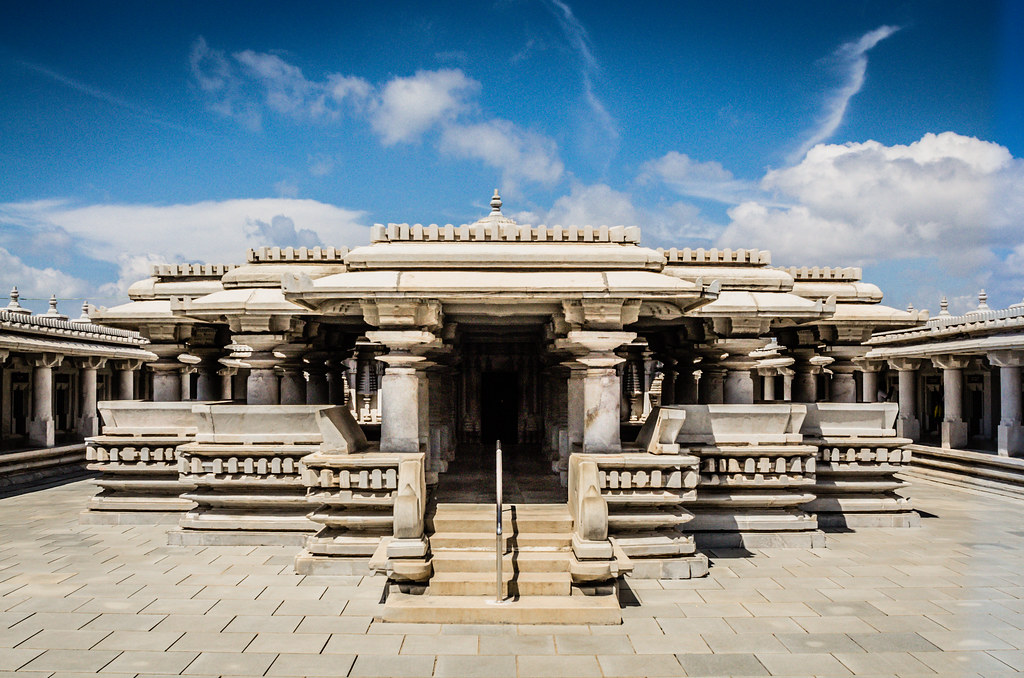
982,301
53,305
944,306
14,306
496,203
84,318
910,307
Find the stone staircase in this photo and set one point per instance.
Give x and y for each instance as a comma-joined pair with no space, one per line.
537,584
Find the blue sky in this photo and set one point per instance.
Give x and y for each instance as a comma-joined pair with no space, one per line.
879,134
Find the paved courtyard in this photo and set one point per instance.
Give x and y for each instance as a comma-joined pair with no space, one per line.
946,599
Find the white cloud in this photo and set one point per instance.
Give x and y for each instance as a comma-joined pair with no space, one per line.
320,164
853,62
39,283
690,177
579,39
518,153
286,189
400,110
408,107
212,232
955,199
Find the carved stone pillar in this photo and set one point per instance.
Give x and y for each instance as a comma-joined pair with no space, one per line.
400,388
41,428
806,369
226,375
126,378
844,385
954,428
292,378
88,422
186,381
739,383
263,386
907,424
668,381
1010,436
166,372
575,410
870,371
317,391
601,387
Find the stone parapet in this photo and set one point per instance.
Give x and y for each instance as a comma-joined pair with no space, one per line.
859,455
755,475
137,458
246,465
352,498
647,497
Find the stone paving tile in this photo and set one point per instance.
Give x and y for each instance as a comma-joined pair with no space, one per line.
558,667
952,663
818,642
137,640
766,624
965,640
900,663
150,662
662,644
324,624
380,666
292,643
495,666
230,664
743,642
639,665
580,644
1012,658
12,660
357,643
721,665
191,622
311,665
893,642
255,623
72,660
213,642
65,640
504,644
805,664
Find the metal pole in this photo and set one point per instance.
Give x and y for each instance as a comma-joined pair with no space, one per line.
498,550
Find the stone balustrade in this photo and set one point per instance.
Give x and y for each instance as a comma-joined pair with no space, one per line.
362,503
246,466
136,455
755,475
859,456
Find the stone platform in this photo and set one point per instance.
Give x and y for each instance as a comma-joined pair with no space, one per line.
945,599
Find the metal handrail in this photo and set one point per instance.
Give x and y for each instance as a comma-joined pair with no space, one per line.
499,552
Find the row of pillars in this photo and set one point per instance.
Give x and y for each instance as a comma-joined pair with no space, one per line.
954,431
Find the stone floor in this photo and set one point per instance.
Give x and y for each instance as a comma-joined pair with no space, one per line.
946,599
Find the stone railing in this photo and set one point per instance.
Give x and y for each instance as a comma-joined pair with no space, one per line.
963,468
859,456
717,256
593,559
136,455
246,465
647,521
755,473
503,232
261,255
32,467
370,507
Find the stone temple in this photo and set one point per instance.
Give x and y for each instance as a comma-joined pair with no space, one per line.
650,405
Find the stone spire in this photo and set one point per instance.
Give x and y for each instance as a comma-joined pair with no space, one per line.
14,306
910,307
982,301
496,204
944,306
84,318
52,312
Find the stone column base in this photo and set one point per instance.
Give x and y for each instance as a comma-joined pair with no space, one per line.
1011,440
954,434
42,432
908,427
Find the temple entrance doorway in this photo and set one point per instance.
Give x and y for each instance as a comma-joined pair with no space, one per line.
499,407
500,398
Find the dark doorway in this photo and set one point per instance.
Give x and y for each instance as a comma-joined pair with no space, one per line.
499,407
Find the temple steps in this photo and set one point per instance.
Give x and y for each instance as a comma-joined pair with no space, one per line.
537,585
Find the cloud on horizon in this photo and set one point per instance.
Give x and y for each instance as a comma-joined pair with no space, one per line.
442,104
